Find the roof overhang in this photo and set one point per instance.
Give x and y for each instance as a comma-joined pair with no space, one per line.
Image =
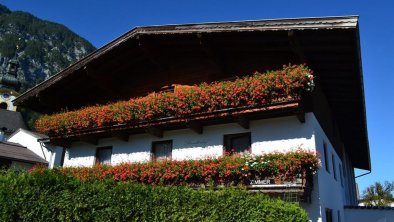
147,58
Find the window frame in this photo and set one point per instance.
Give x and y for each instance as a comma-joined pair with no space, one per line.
152,151
227,137
98,150
341,173
334,167
326,161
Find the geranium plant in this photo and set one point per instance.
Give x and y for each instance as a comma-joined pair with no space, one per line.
225,170
249,91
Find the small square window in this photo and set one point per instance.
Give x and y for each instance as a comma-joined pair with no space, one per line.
340,174
162,150
237,143
333,166
103,155
328,215
326,157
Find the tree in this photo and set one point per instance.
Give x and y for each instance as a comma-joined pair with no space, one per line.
379,194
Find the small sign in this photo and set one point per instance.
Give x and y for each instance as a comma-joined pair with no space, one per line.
261,182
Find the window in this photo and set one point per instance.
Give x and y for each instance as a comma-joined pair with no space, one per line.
339,216
237,142
162,150
3,105
103,155
328,215
333,166
340,174
326,157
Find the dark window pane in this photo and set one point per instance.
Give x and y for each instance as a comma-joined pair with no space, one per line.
333,166
237,142
162,150
326,157
328,215
103,155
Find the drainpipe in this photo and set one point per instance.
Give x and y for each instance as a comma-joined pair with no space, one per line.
370,171
358,194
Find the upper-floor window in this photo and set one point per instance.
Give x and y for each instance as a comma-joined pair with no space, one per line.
326,157
340,173
103,155
333,166
238,143
162,150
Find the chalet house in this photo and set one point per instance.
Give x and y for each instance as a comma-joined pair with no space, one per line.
147,61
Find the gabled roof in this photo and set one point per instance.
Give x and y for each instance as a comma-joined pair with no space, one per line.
34,134
10,121
17,152
339,22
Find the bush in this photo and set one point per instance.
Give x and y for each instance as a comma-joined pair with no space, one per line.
52,196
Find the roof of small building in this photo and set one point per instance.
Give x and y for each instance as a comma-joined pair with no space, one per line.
369,208
10,121
15,151
34,134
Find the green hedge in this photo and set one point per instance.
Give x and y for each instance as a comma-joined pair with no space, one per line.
50,196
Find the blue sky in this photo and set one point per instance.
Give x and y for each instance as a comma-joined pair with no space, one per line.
102,21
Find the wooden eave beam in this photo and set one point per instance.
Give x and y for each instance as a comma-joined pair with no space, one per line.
99,82
90,140
154,132
196,127
152,54
300,113
296,47
210,54
122,136
243,121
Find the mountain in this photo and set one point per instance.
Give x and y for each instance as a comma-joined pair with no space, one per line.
44,48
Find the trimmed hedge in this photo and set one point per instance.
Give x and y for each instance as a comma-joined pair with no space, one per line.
52,196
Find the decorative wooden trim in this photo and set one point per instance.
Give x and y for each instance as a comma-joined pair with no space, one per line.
90,140
154,131
300,113
243,121
122,136
285,108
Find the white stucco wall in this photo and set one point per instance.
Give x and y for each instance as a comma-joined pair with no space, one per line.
268,135
29,140
277,134
328,192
